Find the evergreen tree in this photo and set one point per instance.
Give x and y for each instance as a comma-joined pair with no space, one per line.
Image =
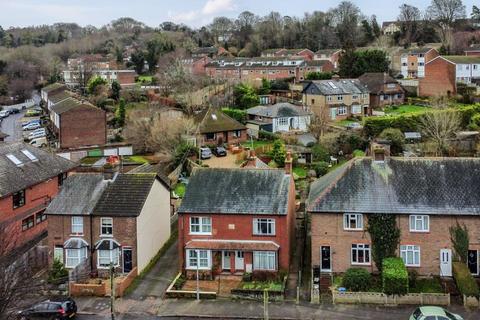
116,90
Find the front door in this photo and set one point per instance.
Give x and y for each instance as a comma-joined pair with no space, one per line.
226,260
445,262
473,262
326,262
127,260
239,265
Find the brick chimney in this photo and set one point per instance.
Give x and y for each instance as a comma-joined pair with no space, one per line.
251,160
380,150
289,163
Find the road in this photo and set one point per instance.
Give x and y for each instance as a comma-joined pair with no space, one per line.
12,126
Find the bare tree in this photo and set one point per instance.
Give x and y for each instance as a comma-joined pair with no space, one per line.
445,13
440,125
319,123
409,17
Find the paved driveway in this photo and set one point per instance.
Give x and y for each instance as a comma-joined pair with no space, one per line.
12,126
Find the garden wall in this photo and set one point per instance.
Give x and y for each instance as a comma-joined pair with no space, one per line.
257,294
438,299
171,293
87,289
122,284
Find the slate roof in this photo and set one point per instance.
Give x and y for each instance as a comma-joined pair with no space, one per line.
211,121
125,196
53,86
237,191
59,97
327,51
14,178
278,110
79,195
316,63
463,59
205,50
420,50
69,104
153,168
3,135
375,81
440,186
332,87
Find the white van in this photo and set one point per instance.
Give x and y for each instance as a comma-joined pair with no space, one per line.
38,134
39,142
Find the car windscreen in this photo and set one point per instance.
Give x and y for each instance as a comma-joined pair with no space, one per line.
417,314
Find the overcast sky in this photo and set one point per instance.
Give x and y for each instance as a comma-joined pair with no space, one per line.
194,13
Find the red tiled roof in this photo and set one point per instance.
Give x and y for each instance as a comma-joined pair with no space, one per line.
232,245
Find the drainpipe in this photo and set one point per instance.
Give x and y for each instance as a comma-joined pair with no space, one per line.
91,243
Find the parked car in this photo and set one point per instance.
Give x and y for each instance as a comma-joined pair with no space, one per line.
431,313
33,113
61,309
219,151
39,142
14,111
205,153
4,113
31,121
354,126
37,134
31,126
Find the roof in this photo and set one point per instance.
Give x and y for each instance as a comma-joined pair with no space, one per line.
214,244
28,172
53,86
387,23
211,120
237,191
332,87
59,96
3,135
125,196
278,110
316,63
442,186
153,168
79,195
375,81
420,50
306,139
473,47
205,50
69,104
327,51
412,135
463,59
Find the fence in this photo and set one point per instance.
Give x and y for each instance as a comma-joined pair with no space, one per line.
26,104
439,299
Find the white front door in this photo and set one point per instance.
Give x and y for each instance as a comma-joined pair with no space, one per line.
445,262
239,265
226,260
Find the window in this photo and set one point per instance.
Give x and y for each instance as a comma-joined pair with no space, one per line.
353,221
356,109
313,101
18,199
360,254
40,217
282,121
264,260
341,110
204,261
419,223
28,223
210,136
340,98
237,133
106,257
106,226
354,97
410,255
77,225
264,227
329,98
200,225
75,256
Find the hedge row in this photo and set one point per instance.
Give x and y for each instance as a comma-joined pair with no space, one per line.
239,115
373,126
465,282
394,276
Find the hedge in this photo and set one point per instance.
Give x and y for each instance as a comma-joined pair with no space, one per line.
239,115
465,282
357,279
394,276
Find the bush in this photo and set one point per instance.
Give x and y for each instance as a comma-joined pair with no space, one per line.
396,138
394,276
463,278
357,279
278,153
58,273
320,153
358,153
239,115
266,135
321,168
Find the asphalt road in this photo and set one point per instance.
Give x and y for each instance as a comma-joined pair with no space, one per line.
12,126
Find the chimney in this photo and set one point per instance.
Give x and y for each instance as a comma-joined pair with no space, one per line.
336,77
289,163
251,160
380,150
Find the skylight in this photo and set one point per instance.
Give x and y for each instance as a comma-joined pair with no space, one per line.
214,116
332,85
14,159
29,155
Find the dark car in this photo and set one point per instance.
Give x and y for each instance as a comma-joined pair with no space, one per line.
54,309
219,151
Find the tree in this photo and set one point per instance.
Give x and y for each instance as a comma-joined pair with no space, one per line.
445,13
346,19
461,242
116,87
385,236
265,88
157,46
278,152
120,114
320,153
408,18
118,54
245,96
94,83
319,122
396,138
475,14
319,75
138,60
353,64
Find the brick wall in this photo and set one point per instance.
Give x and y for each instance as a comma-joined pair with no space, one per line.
83,126
439,80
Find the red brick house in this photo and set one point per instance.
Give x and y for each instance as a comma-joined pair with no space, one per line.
30,179
384,90
473,50
234,221
332,55
439,79
306,54
96,221
426,195
78,123
196,66
215,127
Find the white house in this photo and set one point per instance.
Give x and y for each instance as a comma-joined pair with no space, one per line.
467,68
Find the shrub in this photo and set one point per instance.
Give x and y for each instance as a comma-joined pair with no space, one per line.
278,152
461,242
357,279
321,168
320,153
396,138
266,135
239,115
259,275
394,276
358,153
463,278
58,273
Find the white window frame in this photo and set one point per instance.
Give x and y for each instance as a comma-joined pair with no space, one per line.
265,260
356,109
203,227
113,256
367,252
424,220
77,225
270,225
342,110
405,250
329,98
78,254
347,221
102,224
191,259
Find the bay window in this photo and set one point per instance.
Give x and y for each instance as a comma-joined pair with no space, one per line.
264,260
203,259
74,257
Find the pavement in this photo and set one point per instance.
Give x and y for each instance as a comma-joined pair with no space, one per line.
12,126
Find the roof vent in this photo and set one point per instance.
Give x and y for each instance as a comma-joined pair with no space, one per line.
29,155
14,159
214,116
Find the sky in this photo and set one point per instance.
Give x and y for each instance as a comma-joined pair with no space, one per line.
194,13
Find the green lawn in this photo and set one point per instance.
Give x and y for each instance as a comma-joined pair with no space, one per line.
145,79
135,159
179,189
90,160
345,123
403,109
300,172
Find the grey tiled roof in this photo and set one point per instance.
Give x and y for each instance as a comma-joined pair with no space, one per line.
400,186
332,87
278,110
153,168
30,172
125,196
237,191
79,195
53,86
